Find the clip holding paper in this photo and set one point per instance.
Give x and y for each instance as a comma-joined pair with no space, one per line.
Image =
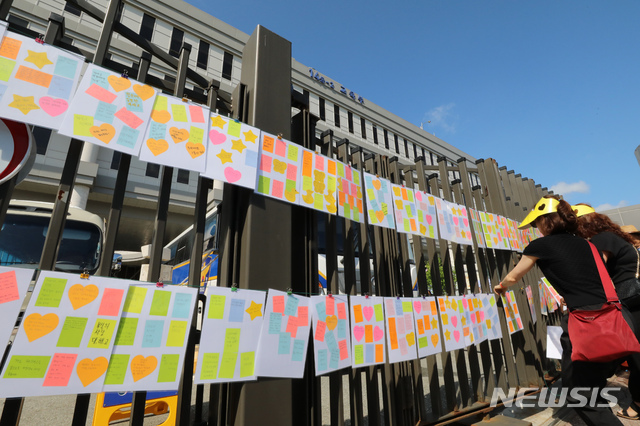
159,284
366,295
85,274
40,39
329,294
424,296
125,74
185,99
289,291
234,287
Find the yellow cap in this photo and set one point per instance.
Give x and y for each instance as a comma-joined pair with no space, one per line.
581,209
544,206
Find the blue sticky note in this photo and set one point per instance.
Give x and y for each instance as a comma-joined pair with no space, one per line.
152,337
330,341
322,360
100,78
3,88
334,360
321,310
342,329
105,112
398,307
133,102
374,205
292,306
251,159
236,311
284,344
368,353
275,322
157,130
60,87
298,350
66,67
128,137
181,305
484,328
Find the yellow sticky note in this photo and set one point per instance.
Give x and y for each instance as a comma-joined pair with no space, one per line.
228,365
179,113
445,319
135,299
82,125
209,369
292,153
234,128
161,103
411,339
177,333
196,135
247,362
232,340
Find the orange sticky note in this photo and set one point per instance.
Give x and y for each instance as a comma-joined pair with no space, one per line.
379,353
10,47
307,163
357,313
442,307
434,308
267,144
420,326
331,167
427,323
33,76
392,333
368,333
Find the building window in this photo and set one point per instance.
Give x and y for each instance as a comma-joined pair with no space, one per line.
395,142
386,138
375,135
115,160
406,148
69,8
183,176
336,115
227,65
146,28
363,127
203,55
415,150
322,110
18,22
176,42
42,136
350,120
153,170
423,154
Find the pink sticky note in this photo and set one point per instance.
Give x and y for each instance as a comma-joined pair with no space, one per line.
303,316
321,328
347,171
129,118
8,287
319,163
277,189
60,370
342,311
101,93
292,326
281,148
331,304
345,186
278,304
292,172
390,308
354,189
265,164
111,300
404,348
344,353
408,322
196,114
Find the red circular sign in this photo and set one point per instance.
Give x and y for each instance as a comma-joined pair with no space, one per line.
16,148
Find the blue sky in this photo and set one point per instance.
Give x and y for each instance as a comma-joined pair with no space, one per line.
550,89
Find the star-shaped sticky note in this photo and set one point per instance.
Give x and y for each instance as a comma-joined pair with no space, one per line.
448,303
39,59
224,156
217,121
434,323
447,335
250,136
238,145
254,310
24,104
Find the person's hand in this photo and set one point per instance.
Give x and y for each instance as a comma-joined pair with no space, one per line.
500,289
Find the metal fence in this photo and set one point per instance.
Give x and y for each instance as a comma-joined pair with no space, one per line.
436,389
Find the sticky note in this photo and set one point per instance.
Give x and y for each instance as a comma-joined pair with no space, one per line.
177,333
379,353
284,344
168,371
216,307
391,309
126,334
342,329
406,307
133,102
32,76
393,337
234,128
247,363
135,299
51,292
291,307
236,310
368,333
275,322
232,340
72,332
111,301
292,326
358,354
209,369
60,370
344,351
342,311
181,305
66,67
322,360
196,135
400,307
321,328
117,369
102,332
152,337
369,353
10,47
298,352
160,303
105,112
228,365
377,308
411,338
160,103
101,94
8,287
292,153
129,118
179,113
27,367
357,313
278,304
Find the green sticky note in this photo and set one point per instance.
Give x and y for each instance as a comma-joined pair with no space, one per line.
177,333
385,208
372,217
234,128
216,307
358,354
292,153
27,367
168,368
307,184
179,113
72,332
117,369
82,125
423,342
331,184
263,184
407,225
209,369
318,201
51,292
356,214
160,303
228,365
407,208
196,134
232,340
160,103
378,310
290,185
406,306
341,170
356,177
371,195
102,333
247,362
492,301
126,334
410,196
460,308
135,299
6,68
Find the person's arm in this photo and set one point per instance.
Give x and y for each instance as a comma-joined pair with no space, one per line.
605,255
524,266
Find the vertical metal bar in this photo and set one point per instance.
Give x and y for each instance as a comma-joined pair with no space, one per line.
6,191
5,6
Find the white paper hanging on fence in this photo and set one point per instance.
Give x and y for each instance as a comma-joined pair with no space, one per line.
109,110
472,320
425,313
379,201
14,284
367,330
554,347
331,343
318,176
150,345
532,306
282,347
476,223
401,334
350,200
404,208
427,214
451,314
37,81
491,319
66,336
231,328
232,151
177,134
3,29
511,312
278,168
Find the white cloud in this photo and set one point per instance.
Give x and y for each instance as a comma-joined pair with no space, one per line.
442,117
564,188
607,206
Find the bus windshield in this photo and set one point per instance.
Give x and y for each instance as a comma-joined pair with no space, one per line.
22,239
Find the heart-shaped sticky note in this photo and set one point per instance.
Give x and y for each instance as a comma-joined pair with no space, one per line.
195,150
434,339
141,367
80,295
380,216
429,219
399,205
90,370
119,83
104,132
417,307
358,332
178,135
454,320
455,220
157,146
332,322
378,334
144,91
377,184
232,175
465,222
53,107
216,137
456,335
160,116
36,325
367,311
